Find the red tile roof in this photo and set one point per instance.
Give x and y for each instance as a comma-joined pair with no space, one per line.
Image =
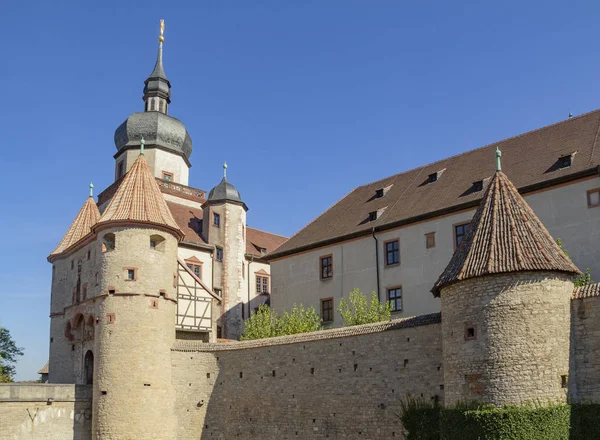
257,239
504,236
139,200
530,162
87,217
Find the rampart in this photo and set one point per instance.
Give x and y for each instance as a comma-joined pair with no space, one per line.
45,412
342,383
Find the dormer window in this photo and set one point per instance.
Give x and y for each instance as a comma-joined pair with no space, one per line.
372,216
480,184
434,177
382,191
565,161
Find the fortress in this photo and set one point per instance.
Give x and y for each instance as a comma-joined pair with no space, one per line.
128,360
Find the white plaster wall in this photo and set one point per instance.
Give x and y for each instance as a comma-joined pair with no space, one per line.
295,279
205,257
159,161
249,280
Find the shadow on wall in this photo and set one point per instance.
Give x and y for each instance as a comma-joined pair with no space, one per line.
232,321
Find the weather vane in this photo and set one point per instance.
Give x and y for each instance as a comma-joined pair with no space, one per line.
162,31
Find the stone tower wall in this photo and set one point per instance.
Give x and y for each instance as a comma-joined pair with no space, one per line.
520,351
133,393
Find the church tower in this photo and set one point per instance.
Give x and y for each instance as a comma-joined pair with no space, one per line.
167,143
505,301
224,227
138,240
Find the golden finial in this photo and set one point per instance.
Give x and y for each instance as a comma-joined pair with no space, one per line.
162,31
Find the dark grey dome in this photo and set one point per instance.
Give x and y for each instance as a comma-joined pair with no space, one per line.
224,191
157,129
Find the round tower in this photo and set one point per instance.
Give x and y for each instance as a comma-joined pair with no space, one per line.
137,238
224,227
505,301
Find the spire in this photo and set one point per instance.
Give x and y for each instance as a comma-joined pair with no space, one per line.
91,189
498,162
504,236
157,89
139,200
87,217
225,170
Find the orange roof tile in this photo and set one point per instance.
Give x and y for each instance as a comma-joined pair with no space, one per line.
87,217
139,200
504,235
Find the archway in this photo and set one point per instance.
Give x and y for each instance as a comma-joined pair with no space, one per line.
88,368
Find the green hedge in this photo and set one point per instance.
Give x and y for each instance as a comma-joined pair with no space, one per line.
509,423
427,421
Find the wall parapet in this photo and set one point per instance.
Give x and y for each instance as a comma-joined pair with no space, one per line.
43,392
356,330
588,291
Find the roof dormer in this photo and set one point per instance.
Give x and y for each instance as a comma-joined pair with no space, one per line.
434,177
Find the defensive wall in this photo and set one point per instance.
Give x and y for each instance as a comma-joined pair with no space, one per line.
45,412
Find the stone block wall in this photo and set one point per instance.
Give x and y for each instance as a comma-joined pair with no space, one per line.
342,383
45,412
584,377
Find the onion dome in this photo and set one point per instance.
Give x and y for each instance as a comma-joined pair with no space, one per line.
139,200
504,236
224,191
153,124
81,227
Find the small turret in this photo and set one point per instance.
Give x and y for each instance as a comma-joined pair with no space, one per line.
505,301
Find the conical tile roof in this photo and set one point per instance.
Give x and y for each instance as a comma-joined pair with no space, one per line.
87,217
139,200
504,236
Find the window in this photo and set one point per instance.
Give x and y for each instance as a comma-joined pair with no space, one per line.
216,219
432,178
167,176
327,310
72,264
243,271
89,255
430,240
130,273
152,105
392,252
96,279
478,186
162,105
372,216
326,267
120,167
565,161
218,292
108,242
219,254
470,332
459,233
379,193
262,284
196,268
84,292
395,298
593,197
157,243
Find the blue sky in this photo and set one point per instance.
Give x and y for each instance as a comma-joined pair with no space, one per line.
304,99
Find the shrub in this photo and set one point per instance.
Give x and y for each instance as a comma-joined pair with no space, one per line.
356,311
265,323
420,419
584,421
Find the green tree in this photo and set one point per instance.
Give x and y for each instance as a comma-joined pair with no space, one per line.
8,356
357,311
582,280
266,323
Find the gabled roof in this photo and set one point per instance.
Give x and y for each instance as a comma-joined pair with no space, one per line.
44,369
87,217
531,160
504,236
139,200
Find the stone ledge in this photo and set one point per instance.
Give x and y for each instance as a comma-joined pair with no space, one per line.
589,291
41,392
357,330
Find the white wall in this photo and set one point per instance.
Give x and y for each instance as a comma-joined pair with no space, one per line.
159,161
295,279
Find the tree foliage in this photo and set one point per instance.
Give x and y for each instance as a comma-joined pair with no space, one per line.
8,356
266,323
585,278
356,310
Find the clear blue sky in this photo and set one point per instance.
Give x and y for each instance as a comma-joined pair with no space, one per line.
304,99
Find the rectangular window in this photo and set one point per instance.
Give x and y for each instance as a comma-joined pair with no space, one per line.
593,197
327,310
459,233
196,268
218,292
392,252
265,282
395,298
219,254
120,170
216,219
262,285
326,267
167,176
430,240
131,274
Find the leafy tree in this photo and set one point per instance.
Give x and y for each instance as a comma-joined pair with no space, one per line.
585,278
357,311
266,323
8,356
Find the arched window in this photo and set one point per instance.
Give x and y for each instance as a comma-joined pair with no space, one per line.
157,243
108,242
88,368
89,328
68,332
161,104
79,327
152,105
